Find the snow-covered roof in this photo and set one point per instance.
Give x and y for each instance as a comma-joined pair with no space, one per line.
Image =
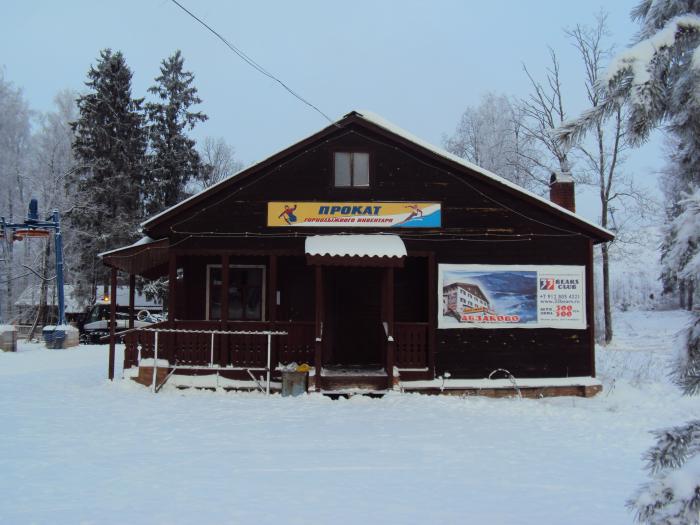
381,122
389,126
143,241
356,245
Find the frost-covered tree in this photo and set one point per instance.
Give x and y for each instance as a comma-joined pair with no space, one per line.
109,148
173,159
15,139
491,136
672,497
51,162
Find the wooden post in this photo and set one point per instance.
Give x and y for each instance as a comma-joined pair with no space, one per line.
391,345
272,290
272,309
170,340
172,285
590,306
132,298
112,322
432,312
318,346
390,299
225,285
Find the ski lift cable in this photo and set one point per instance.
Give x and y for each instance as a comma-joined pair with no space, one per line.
252,63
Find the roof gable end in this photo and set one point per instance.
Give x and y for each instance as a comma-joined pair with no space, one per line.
379,125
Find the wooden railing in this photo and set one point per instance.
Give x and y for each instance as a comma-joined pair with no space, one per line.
411,345
244,350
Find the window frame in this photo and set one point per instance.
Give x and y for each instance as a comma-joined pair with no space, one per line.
352,153
263,305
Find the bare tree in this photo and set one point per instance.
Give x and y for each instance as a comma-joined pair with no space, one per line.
218,161
602,156
543,112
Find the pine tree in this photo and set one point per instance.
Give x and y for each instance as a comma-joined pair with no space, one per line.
672,497
173,159
109,149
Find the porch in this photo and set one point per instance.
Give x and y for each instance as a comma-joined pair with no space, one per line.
349,309
194,348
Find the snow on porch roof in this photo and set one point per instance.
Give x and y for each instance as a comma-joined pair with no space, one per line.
390,246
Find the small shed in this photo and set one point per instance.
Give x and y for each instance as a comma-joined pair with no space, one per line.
349,246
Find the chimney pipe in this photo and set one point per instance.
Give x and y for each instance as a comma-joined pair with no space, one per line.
561,190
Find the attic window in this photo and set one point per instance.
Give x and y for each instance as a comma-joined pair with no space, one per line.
351,169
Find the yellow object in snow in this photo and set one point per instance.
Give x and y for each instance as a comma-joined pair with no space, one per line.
303,368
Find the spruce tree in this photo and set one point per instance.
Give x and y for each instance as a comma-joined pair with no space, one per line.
658,80
672,496
173,159
109,148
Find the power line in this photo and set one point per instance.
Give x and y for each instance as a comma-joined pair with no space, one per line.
252,63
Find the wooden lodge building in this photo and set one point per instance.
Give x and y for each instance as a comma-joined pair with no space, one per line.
345,247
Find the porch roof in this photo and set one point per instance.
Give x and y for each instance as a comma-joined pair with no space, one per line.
147,257
355,250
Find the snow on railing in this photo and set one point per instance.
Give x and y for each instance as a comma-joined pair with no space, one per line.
268,333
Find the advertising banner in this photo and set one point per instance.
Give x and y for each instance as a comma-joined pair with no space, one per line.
509,296
354,214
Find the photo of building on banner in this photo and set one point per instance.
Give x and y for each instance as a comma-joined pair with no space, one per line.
480,296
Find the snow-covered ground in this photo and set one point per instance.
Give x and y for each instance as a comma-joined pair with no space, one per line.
78,449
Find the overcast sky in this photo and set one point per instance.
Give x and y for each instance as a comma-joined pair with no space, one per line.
416,63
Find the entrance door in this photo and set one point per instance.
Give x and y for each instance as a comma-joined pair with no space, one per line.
353,314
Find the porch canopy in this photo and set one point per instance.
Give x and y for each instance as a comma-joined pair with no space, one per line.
146,257
355,250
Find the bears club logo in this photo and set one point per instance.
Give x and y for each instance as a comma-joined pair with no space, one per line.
547,284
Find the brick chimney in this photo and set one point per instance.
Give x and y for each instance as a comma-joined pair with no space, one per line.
561,190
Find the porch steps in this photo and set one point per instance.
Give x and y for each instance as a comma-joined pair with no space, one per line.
338,380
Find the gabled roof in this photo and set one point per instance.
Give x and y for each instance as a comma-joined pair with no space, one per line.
378,124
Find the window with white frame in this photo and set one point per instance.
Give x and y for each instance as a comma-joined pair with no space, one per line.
351,169
246,292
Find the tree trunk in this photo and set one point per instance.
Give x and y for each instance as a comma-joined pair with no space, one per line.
681,293
607,311
691,292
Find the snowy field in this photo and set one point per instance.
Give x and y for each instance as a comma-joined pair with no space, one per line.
78,449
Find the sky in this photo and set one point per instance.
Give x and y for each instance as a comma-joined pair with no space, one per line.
419,64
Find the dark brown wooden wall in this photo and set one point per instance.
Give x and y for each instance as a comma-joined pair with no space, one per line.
471,209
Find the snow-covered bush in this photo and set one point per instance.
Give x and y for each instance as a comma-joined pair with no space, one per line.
672,497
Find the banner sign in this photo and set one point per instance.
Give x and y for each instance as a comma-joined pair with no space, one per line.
354,214
486,296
